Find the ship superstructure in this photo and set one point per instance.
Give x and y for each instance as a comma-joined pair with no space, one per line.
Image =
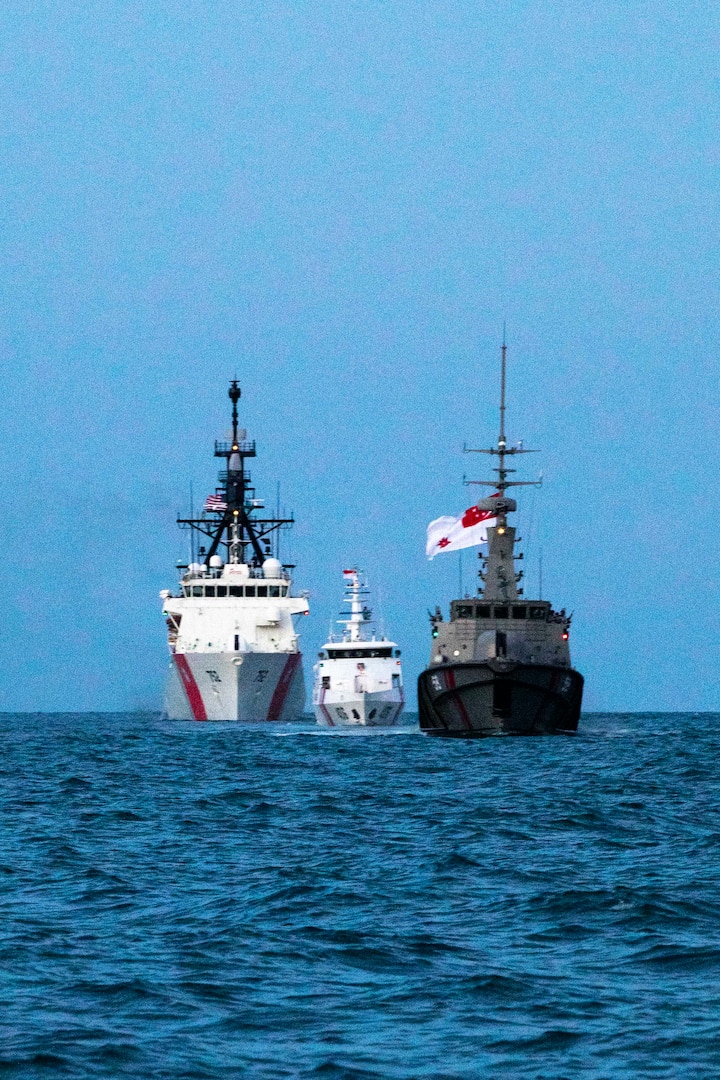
358,676
234,649
501,665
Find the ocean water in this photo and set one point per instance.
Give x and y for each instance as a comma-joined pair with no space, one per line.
212,901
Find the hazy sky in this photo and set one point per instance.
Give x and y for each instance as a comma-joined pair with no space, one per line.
341,203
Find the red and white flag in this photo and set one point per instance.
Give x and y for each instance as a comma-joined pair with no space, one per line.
450,534
215,502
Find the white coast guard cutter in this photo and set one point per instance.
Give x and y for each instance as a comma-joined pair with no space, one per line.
233,646
358,676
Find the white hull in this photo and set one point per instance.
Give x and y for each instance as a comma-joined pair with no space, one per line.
358,678
379,709
214,686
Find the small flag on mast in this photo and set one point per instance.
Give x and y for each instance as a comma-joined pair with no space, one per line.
215,502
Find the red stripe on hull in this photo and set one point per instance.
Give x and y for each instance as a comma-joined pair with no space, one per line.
283,686
462,711
324,708
195,701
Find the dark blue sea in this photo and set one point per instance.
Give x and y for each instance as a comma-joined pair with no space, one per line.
212,901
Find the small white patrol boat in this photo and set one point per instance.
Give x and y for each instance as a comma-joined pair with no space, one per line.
358,676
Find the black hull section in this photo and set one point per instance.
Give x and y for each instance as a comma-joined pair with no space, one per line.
499,698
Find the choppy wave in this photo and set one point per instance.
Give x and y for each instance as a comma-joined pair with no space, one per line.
207,901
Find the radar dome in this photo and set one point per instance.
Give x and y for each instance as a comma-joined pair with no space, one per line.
216,562
272,568
194,569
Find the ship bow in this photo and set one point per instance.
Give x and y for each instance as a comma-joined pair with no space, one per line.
474,700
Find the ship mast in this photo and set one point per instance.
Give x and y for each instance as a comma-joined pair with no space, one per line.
502,443
236,529
500,576
359,613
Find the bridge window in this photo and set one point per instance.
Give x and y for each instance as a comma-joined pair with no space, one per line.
235,590
222,590
274,590
209,590
262,590
249,590
197,590
538,613
520,612
483,611
501,613
357,654
283,590
465,611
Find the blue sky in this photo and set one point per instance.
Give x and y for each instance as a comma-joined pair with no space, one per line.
342,203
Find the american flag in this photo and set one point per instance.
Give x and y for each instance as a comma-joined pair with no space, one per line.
215,502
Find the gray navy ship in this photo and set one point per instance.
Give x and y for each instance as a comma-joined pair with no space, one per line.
501,665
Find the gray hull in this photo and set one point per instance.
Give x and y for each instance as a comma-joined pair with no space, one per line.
498,697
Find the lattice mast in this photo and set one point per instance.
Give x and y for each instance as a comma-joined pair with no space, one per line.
236,528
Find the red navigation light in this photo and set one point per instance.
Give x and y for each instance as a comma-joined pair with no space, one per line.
565,635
